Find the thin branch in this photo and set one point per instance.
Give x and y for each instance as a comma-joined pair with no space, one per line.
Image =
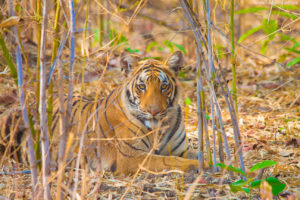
42,107
31,153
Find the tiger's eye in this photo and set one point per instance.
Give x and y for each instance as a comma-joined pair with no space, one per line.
164,86
142,86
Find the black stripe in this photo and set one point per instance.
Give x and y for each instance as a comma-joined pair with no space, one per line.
124,154
136,126
150,66
141,138
75,111
153,69
173,131
178,144
86,104
182,154
128,97
133,147
113,167
75,102
109,124
53,117
175,93
101,129
54,125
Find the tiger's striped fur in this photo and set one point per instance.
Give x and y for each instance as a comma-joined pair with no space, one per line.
139,122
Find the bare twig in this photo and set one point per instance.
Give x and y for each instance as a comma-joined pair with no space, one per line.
42,108
210,68
150,18
31,153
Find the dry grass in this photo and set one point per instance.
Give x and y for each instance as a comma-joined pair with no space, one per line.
268,101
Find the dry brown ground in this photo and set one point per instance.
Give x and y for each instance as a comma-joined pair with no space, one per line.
269,120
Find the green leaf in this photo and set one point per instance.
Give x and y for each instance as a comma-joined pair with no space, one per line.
263,164
240,182
160,48
132,50
235,189
250,10
180,47
255,184
282,58
170,45
122,39
277,186
231,168
155,58
151,45
249,32
207,117
288,7
8,59
182,74
293,62
96,35
263,47
295,45
269,27
292,50
112,34
247,190
220,51
187,101
284,37
284,14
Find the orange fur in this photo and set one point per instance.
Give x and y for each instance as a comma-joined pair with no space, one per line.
122,142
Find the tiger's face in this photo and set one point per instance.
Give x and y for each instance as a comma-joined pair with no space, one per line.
152,91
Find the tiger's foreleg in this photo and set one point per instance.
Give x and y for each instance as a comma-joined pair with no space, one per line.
155,163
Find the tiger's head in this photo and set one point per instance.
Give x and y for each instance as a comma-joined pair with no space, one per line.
151,91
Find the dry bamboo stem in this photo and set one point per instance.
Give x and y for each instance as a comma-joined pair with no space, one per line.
31,154
42,108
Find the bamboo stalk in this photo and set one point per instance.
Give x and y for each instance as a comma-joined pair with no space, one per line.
31,154
200,109
233,61
199,41
42,107
62,129
54,53
230,105
38,16
70,89
37,77
85,55
101,26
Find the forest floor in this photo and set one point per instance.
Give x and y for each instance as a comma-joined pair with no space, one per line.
268,116
269,107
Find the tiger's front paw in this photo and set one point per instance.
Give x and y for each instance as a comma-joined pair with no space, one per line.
191,165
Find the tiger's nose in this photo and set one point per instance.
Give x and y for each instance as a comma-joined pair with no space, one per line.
154,111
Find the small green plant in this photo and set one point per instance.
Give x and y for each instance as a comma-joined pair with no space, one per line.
166,44
248,185
268,26
187,101
294,49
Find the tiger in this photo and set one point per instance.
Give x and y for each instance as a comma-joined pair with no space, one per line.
139,125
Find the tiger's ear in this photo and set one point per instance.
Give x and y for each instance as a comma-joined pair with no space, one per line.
128,62
175,62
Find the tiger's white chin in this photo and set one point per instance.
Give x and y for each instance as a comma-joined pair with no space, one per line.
151,124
